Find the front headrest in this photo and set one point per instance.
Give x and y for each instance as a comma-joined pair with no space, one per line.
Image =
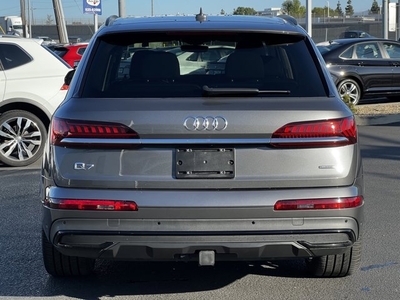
149,64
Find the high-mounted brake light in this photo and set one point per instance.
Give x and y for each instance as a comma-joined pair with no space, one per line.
75,129
90,204
325,203
324,133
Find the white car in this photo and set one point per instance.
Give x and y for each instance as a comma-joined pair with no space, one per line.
46,41
31,88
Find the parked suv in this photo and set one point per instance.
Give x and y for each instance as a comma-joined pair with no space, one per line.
31,87
71,54
257,161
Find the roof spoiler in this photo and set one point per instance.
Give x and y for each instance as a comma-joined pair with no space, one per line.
110,20
289,19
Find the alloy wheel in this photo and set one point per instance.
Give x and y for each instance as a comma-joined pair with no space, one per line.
351,90
21,139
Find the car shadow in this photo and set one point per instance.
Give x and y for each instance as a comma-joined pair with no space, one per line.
132,278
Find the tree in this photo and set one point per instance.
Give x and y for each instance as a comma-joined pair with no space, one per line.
244,11
293,8
375,9
318,12
222,12
49,20
323,12
349,8
338,9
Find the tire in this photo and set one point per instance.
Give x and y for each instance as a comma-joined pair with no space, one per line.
22,138
60,265
350,88
338,265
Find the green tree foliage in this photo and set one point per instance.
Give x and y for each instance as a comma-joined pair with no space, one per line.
244,11
349,8
294,8
375,9
318,12
338,9
323,12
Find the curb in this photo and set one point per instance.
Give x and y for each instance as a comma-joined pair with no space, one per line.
368,120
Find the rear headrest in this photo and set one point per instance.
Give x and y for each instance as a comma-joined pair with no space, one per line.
244,65
148,64
136,63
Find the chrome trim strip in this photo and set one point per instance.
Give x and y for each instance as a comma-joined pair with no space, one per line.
238,141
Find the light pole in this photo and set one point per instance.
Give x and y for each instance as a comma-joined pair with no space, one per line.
29,20
121,8
308,17
327,2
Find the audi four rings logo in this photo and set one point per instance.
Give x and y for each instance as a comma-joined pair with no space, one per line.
205,123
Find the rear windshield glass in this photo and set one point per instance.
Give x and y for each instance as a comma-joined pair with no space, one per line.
201,64
56,55
61,51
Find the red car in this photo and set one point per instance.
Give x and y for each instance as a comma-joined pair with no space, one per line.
72,54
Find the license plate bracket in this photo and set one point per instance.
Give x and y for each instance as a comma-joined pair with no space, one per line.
205,163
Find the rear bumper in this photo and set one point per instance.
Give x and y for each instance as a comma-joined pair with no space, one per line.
173,244
177,225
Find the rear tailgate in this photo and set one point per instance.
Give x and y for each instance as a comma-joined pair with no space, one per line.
230,146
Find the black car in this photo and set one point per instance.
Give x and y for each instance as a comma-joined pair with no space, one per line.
362,68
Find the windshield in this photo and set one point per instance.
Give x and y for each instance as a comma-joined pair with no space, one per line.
56,56
206,64
328,47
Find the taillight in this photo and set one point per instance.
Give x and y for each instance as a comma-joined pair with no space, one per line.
325,203
86,204
77,133
64,87
324,133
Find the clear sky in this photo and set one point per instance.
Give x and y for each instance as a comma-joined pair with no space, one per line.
40,9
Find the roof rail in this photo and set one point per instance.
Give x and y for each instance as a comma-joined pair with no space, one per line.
289,19
13,36
110,20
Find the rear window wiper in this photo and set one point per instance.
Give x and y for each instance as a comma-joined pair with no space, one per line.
240,91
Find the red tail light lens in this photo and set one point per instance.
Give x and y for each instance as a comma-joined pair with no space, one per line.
313,204
325,133
62,128
84,204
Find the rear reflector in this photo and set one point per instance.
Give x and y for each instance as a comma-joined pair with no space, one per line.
75,129
325,203
324,133
86,204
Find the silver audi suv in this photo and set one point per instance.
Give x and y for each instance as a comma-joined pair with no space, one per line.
253,157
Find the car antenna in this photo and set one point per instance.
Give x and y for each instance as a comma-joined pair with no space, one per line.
200,16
